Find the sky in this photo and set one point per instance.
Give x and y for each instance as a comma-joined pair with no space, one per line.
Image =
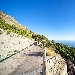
53,18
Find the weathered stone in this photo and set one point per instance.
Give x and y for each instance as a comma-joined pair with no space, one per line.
13,43
56,65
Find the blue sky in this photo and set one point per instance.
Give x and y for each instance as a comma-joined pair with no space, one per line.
53,18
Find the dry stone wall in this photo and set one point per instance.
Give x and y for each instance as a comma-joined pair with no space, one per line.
11,43
56,66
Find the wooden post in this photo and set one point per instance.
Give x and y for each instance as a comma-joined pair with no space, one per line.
44,61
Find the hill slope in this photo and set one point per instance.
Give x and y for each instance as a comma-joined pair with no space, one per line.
13,36
10,20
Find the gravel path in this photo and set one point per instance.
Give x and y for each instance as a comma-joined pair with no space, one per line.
32,65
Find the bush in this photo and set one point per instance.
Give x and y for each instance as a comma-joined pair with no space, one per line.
15,51
8,32
13,28
30,44
41,45
9,53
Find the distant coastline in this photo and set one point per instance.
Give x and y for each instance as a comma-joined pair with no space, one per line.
66,42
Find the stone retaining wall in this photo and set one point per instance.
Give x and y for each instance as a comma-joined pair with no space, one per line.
56,66
11,43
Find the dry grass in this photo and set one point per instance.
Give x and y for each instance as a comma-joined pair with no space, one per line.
48,52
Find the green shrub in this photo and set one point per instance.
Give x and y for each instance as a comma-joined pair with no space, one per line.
14,29
8,32
16,51
9,53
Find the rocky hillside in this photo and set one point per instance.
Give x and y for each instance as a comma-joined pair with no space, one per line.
13,36
10,20
12,43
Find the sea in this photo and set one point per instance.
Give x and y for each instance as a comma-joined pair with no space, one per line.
66,42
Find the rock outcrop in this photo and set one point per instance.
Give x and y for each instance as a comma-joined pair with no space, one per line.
70,67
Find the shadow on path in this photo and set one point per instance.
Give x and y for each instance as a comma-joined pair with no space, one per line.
34,54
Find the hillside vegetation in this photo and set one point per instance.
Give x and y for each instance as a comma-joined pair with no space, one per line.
13,39
66,51
14,29
62,49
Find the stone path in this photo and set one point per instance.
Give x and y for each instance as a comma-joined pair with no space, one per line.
32,65
27,62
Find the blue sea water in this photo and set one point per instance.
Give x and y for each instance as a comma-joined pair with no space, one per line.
68,43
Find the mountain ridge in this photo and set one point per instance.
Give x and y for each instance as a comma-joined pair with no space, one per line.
10,20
